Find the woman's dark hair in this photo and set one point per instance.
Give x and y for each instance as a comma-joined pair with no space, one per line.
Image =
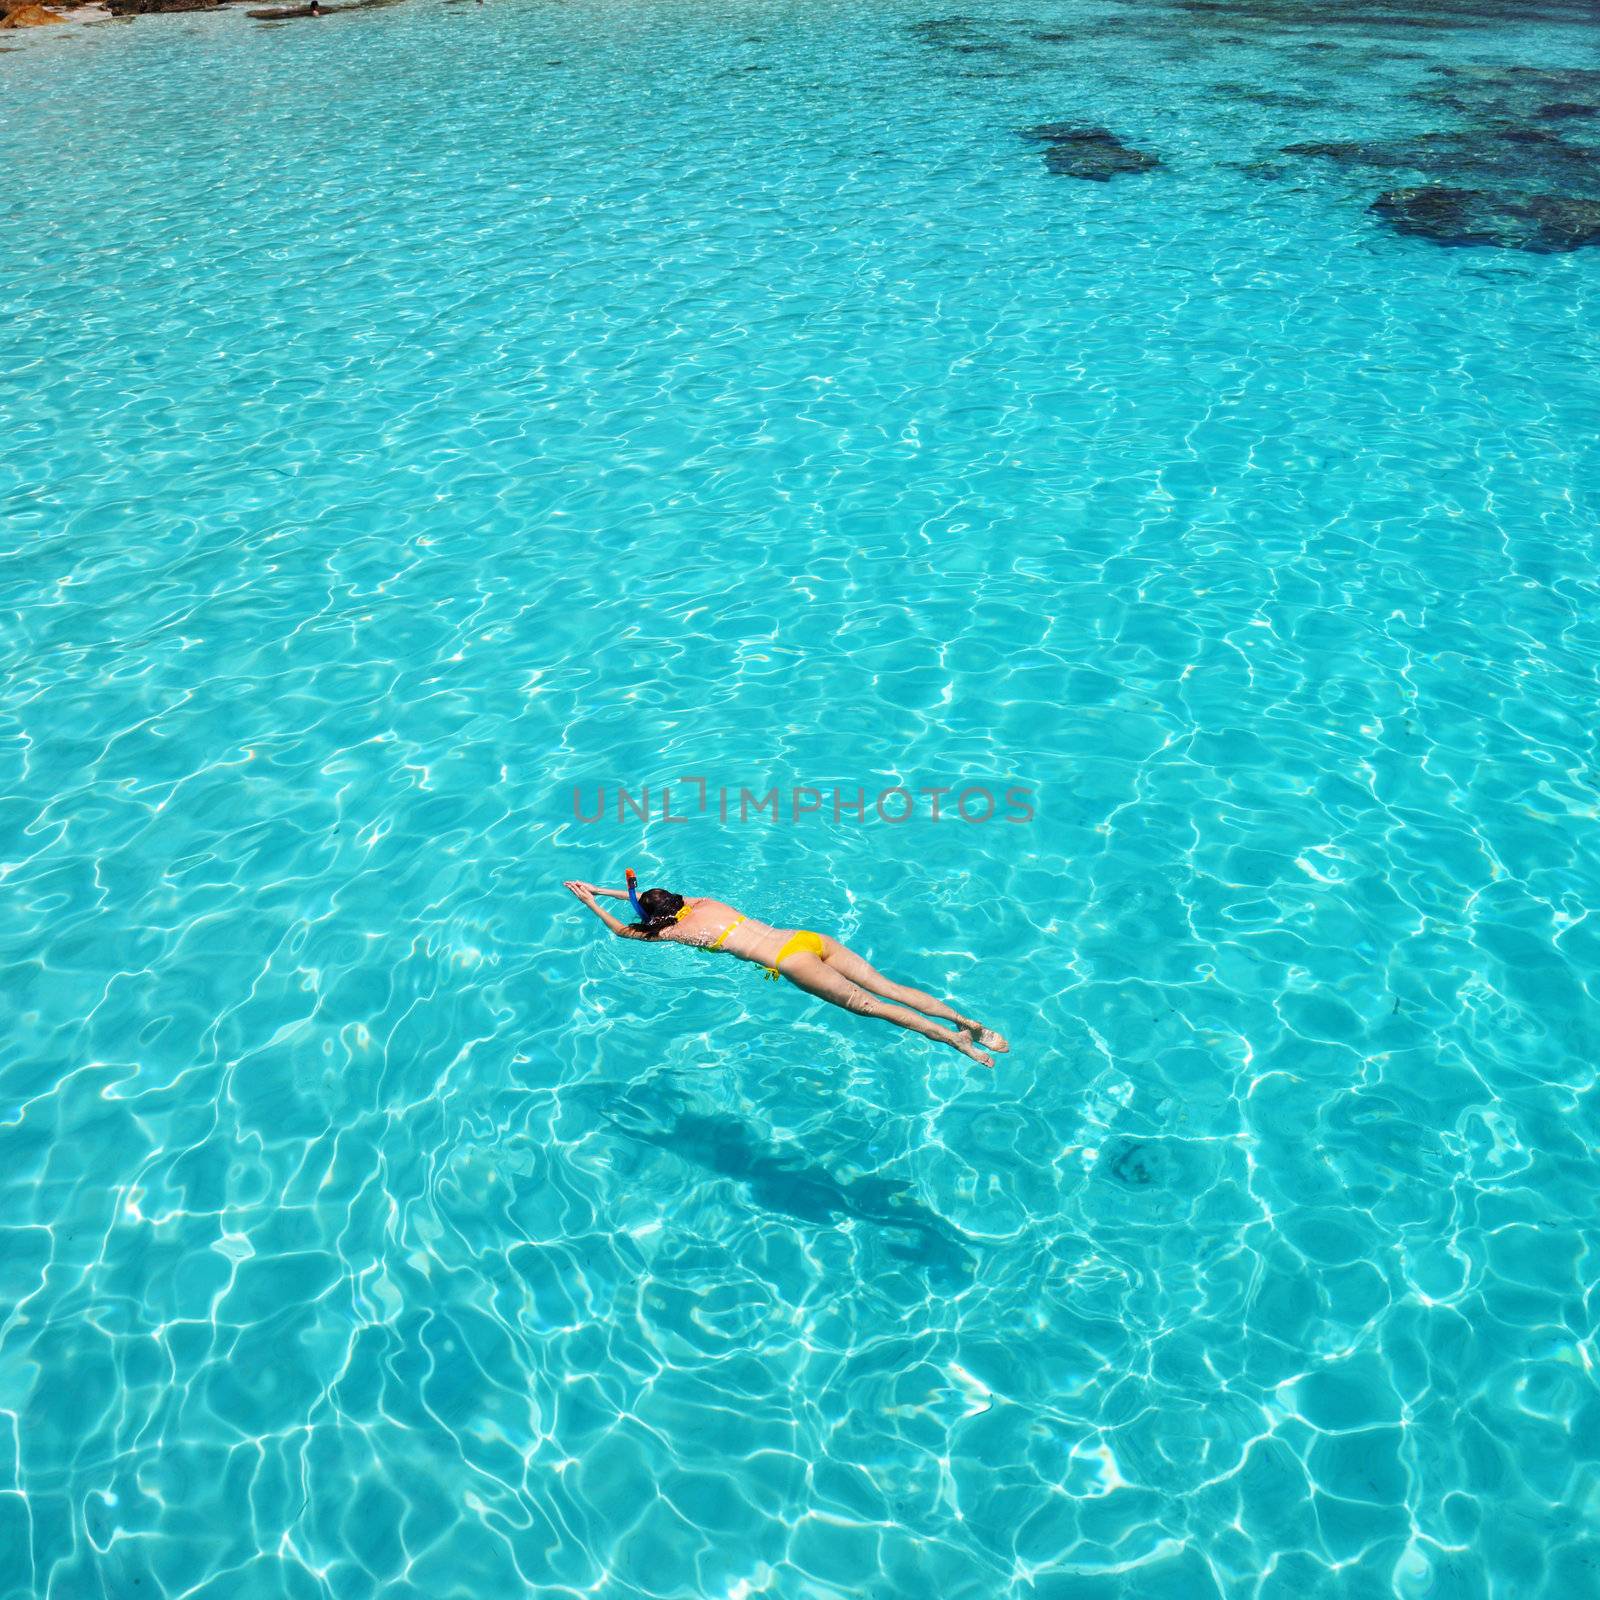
661,908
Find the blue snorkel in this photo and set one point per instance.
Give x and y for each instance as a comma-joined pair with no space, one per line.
633,896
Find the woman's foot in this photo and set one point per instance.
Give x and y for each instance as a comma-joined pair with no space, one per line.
962,1042
987,1037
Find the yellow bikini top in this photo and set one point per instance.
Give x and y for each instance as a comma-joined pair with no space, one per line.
721,938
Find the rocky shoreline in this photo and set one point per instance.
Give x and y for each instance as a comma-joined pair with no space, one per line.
27,14
45,13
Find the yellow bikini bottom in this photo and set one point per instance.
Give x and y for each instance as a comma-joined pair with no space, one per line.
804,940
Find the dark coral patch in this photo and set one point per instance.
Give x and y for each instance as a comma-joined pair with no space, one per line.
1513,94
1093,153
1375,18
1131,1165
1542,223
1534,157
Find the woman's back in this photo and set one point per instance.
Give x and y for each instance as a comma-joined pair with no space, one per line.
715,925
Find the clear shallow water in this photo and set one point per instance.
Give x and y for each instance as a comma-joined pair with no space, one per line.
412,417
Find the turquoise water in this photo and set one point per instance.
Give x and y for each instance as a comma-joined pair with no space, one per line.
411,417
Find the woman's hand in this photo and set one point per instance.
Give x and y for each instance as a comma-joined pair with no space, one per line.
577,885
586,892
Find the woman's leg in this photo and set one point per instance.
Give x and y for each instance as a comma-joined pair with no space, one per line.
860,971
817,977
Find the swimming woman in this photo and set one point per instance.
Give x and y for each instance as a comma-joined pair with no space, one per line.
812,961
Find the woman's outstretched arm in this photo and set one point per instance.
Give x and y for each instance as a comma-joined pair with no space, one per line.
586,893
